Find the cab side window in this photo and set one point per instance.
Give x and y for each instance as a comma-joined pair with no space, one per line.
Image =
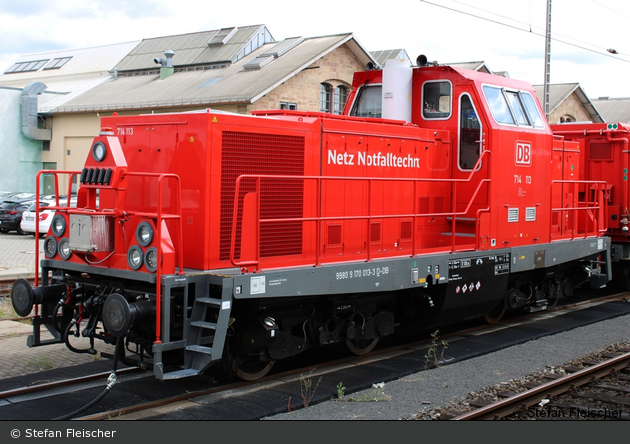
436,100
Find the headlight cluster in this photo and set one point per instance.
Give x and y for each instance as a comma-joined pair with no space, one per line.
51,245
136,256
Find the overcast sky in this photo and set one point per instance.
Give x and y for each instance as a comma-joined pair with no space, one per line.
506,35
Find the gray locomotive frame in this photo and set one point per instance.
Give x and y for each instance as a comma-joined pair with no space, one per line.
455,270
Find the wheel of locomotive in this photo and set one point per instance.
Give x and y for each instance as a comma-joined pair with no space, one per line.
247,368
360,347
495,315
553,302
253,368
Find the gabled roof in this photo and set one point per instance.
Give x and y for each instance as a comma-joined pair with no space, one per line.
473,66
614,109
382,56
68,72
225,45
205,86
559,92
67,63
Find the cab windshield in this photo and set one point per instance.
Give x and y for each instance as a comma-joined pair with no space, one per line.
368,102
512,107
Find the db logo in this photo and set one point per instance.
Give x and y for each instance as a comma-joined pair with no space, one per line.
523,153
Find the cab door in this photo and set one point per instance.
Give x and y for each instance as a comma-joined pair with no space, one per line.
471,189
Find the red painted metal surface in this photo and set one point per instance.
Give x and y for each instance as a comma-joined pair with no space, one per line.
602,155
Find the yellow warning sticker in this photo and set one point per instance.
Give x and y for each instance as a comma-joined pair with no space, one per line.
192,139
214,119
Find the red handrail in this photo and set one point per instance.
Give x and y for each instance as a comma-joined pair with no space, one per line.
576,206
318,219
159,215
55,174
179,251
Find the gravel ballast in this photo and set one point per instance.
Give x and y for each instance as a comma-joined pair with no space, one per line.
414,395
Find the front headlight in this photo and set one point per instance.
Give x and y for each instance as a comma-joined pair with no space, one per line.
64,249
150,259
144,234
58,225
50,247
135,257
99,150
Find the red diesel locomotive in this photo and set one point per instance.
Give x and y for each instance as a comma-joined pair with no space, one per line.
604,149
439,195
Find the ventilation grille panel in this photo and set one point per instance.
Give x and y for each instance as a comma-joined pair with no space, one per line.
512,214
263,154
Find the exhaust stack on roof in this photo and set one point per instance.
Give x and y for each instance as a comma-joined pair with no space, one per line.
167,65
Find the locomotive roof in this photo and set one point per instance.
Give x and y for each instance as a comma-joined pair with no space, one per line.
483,77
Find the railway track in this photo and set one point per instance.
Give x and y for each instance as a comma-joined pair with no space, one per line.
45,389
595,389
7,284
44,394
146,410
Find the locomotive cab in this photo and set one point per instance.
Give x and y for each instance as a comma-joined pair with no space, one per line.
496,134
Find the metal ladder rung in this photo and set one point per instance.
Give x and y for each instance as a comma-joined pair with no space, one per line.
199,349
202,324
185,373
210,301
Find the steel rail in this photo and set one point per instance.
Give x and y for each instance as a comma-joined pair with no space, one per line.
550,389
64,383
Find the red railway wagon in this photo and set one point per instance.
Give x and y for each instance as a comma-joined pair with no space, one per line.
204,237
602,154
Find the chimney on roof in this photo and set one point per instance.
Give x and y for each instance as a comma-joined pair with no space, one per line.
166,65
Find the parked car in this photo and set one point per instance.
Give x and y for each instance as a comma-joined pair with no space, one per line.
5,196
45,216
27,223
11,214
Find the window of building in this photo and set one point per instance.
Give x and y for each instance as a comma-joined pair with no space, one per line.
29,66
436,100
57,63
47,181
324,97
341,95
289,106
567,118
